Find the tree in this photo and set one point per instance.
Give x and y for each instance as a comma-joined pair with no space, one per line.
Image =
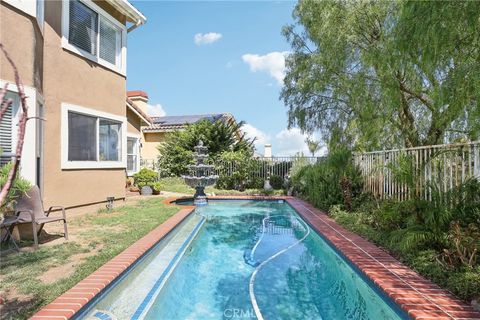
313,146
176,153
11,185
385,73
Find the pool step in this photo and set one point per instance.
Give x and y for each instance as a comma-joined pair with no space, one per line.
126,297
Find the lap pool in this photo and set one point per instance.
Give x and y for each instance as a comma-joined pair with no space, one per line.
242,260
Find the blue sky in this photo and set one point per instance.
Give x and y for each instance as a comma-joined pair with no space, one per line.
209,57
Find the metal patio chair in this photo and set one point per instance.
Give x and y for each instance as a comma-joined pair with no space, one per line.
29,209
8,224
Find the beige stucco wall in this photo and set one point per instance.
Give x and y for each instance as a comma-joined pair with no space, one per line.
70,78
21,37
150,143
133,122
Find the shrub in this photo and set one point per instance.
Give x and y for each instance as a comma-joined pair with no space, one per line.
276,181
240,171
145,177
466,283
334,180
176,152
19,187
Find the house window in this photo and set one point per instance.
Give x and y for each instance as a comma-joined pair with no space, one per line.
132,155
109,140
110,41
8,129
94,34
82,137
92,139
83,27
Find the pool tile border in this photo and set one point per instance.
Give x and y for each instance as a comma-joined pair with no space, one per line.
68,304
418,297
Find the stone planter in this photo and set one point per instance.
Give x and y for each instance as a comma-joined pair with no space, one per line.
146,191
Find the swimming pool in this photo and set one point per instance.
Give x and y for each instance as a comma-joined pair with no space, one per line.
242,260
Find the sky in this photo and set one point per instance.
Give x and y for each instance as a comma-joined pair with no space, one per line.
211,57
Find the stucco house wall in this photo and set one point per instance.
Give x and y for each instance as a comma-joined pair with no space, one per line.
60,78
22,38
150,144
73,79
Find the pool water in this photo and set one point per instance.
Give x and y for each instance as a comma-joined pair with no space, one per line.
305,279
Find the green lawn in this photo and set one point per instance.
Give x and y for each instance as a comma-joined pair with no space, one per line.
97,236
175,184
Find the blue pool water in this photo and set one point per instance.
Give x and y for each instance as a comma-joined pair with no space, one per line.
309,281
297,275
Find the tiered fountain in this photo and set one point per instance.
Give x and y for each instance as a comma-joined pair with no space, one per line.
201,175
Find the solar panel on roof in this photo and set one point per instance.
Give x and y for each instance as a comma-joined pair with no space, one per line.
187,119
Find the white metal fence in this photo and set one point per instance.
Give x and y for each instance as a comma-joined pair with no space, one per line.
438,166
263,167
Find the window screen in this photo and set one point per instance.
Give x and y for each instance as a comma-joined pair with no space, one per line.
109,41
110,140
83,27
82,136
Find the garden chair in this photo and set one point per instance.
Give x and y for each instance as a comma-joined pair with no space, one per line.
29,209
7,224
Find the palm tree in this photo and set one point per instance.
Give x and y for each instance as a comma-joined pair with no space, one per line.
313,146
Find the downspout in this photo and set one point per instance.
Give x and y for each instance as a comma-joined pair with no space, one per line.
135,26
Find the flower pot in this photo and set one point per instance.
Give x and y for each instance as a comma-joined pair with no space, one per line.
146,191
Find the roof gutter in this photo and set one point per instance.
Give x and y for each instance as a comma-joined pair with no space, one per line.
131,13
135,26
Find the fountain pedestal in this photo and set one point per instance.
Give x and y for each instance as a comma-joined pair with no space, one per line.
201,175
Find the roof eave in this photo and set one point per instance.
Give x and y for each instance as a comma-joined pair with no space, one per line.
142,117
126,8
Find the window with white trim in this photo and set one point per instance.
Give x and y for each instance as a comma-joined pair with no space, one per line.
132,154
94,33
93,138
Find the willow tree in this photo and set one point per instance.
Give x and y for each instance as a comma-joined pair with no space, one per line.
385,74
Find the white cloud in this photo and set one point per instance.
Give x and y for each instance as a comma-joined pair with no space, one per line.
289,142
156,110
206,38
261,137
273,63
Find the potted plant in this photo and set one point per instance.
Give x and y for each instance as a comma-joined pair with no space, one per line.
156,187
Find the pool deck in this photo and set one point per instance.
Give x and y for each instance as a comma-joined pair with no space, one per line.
418,297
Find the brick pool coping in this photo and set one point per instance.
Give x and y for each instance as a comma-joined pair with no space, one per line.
418,297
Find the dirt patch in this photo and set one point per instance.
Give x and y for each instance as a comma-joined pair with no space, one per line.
12,303
68,268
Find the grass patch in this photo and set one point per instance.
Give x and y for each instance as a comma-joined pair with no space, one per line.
110,233
175,184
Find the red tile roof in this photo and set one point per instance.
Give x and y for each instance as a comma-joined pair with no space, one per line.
137,93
